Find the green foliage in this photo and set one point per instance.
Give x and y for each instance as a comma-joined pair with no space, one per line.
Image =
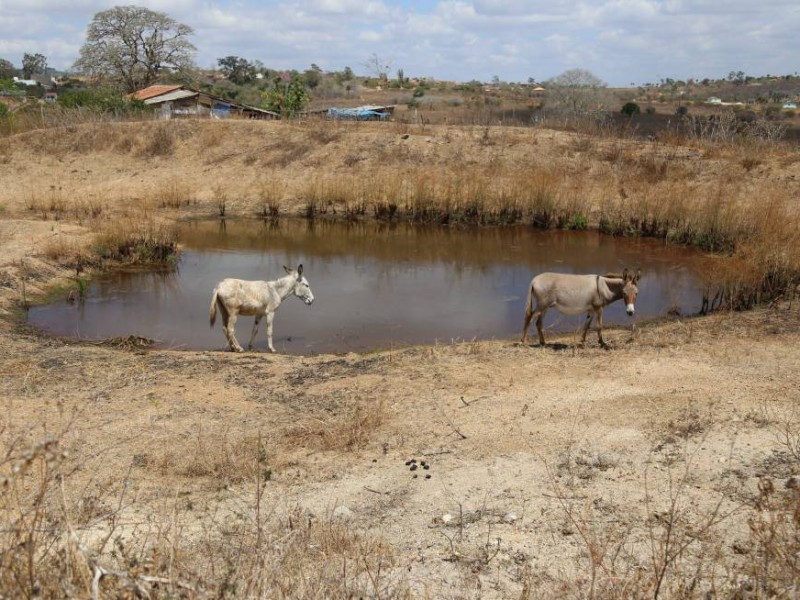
102,98
650,110
630,109
7,70
419,92
238,70
3,110
33,64
312,78
682,111
287,99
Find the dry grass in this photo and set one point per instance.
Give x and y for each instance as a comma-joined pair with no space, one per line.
182,513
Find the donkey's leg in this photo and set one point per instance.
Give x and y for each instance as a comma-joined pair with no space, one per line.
526,325
270,316
230,329
255,331
586,325
539,320
599,313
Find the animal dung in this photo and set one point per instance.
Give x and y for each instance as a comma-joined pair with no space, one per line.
413,465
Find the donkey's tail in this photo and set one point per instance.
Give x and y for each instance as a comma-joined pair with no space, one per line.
529,303
212,312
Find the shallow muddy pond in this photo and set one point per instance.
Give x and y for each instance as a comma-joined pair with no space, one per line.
376,286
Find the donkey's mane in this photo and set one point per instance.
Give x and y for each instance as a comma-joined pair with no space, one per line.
613,276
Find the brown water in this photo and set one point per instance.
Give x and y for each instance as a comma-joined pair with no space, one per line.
376,286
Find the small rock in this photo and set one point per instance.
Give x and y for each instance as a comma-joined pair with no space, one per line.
426,467
446,518
428,476
510,517
413,467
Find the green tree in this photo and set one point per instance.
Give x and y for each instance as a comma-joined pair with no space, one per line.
33,64
312,77
237,70
131,46
287,99
630,109
7,70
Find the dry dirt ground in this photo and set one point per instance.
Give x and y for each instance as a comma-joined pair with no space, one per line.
540,460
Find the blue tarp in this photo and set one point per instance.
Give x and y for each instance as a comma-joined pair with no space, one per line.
357,114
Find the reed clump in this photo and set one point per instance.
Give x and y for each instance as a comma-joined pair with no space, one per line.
137,242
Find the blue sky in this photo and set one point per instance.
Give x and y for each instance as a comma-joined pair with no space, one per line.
620,41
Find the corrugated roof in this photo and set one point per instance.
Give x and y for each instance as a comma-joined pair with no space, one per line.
176,95
154,90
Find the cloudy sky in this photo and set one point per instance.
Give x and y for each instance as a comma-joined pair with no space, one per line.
620,41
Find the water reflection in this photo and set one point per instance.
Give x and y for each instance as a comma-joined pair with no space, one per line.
376,284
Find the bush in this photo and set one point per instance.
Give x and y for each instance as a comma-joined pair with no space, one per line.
419,91
650,110
101,99
630,109
682,111
3,110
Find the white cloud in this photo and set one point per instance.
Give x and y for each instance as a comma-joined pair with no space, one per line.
619,40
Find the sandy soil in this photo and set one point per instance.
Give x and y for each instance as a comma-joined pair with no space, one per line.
537,456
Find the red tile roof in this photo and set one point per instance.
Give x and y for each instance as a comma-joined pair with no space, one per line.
155,90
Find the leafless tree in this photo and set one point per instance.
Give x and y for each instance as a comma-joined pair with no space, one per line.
576,93
131,46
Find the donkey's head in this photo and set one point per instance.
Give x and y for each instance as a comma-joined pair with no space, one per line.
629,290
301,288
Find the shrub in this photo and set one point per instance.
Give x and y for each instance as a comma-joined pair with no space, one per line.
650,110
682,110
630,109
419,91
3,109
102,99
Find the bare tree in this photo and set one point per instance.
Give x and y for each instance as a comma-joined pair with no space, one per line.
576,92
378,66
131,46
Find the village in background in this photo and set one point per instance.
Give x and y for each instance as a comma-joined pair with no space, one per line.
241,88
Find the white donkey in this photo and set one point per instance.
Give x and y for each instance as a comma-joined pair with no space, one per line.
255,298
574,294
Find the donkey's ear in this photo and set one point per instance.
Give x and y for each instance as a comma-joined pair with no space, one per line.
637,276
287,269
300,271
625,274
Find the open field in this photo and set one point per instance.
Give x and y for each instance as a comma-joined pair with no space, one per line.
665,467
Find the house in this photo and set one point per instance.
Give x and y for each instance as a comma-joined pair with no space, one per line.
714,100
182,101
789,105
